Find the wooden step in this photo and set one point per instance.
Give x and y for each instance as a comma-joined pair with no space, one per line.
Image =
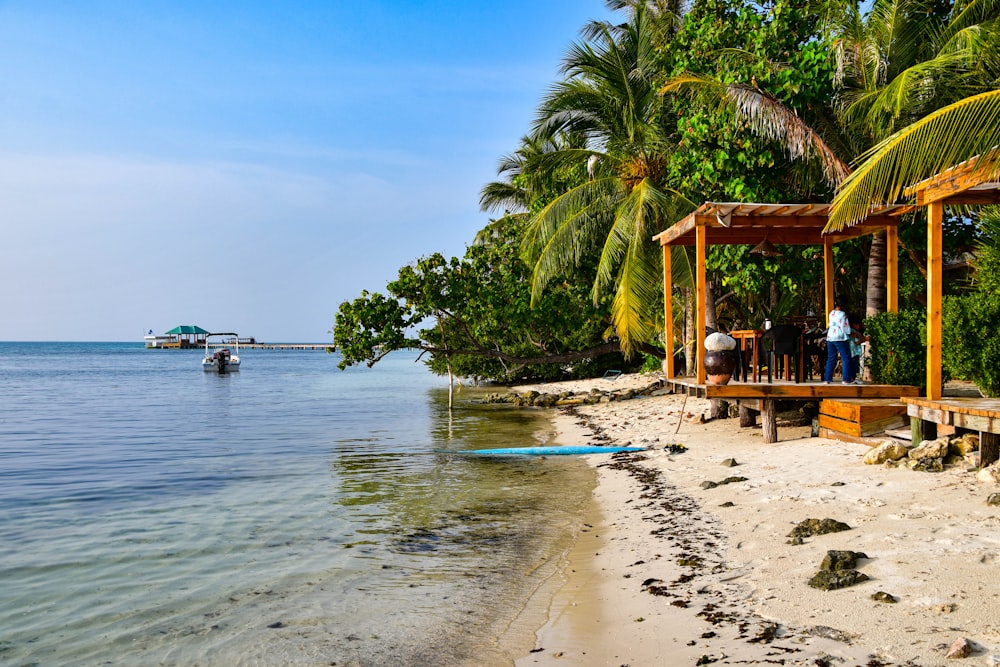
861,417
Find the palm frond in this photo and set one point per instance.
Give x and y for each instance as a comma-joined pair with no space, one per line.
558,236
768,118
630,265
942,139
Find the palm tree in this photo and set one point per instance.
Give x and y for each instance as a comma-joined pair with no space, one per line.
610,98
924,96
894,65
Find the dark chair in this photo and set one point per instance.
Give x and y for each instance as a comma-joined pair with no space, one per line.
814,351
783,341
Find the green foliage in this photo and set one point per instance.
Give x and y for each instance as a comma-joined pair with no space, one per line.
475,313
971,347
369,324
651,364
987,262
898,347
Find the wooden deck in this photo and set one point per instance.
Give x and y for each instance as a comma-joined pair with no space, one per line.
783,389
753,397
973,414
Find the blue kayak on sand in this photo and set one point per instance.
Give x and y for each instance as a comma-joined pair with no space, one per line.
553,451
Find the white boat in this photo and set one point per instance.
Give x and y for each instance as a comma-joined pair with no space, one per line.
155,342
222,360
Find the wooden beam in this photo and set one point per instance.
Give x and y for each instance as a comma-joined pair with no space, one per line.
973,198
677,230
668,313
952,182
892,269
935,274
700,298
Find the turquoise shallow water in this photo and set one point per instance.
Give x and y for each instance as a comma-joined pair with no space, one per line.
291,513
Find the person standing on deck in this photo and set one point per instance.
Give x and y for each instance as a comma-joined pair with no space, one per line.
838,335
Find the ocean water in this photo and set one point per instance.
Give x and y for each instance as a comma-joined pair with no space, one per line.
291,513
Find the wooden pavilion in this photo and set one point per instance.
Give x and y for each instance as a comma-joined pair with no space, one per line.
718,223
971,183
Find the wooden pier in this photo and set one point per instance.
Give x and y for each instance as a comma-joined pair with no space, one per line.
276,346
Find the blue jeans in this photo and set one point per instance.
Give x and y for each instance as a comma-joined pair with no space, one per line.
841,348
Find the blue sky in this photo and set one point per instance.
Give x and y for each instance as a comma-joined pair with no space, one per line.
247,166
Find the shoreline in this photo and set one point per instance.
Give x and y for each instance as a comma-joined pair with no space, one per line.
673,573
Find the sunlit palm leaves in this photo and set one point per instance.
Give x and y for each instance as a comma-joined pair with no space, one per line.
941,140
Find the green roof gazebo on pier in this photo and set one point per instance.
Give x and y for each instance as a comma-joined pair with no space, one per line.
188,335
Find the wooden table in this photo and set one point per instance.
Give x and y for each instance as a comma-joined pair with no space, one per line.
749,341
973,414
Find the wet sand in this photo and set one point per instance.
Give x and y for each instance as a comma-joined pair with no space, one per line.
666,572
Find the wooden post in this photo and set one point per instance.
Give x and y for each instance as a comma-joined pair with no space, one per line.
935,215
768,420
748,417
718,409
700,298
989,448
892,269
668,314
921,430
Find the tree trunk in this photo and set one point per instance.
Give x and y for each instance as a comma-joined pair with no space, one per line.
711,319
875,294
451,386
689,368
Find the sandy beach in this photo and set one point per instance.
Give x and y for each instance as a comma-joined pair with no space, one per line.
669,572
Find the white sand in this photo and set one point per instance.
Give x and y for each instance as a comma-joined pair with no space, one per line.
742,596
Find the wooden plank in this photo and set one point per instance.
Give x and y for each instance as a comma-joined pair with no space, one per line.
840,425
975,422
803,390
882,425
902,433
839,409
936,415
985,407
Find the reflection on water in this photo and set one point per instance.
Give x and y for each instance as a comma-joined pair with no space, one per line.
289,514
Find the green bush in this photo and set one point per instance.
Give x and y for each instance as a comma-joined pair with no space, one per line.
971,340
898,347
